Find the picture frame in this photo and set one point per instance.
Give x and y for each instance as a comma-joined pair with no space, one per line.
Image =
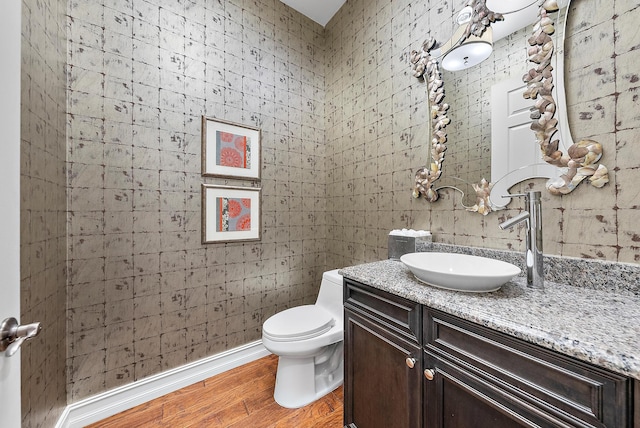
230,150
230,213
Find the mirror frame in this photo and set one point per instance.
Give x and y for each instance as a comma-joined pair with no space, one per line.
564,171
581,160
424,63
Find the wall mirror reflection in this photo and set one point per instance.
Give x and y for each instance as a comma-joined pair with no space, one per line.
497,105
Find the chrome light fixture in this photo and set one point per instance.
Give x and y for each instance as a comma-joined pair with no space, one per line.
472,42
472,51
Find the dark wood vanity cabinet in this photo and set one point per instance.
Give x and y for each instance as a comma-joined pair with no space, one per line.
464,374
383,356
484,378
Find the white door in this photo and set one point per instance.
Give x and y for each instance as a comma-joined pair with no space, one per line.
513,144
10,14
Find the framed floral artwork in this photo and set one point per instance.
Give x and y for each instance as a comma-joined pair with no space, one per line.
230,149
230,213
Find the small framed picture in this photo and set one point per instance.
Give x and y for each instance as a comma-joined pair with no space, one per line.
230,213
230,149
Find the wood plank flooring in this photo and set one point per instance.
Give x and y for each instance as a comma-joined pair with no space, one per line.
238,398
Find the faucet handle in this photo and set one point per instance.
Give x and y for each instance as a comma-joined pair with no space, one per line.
515,220
531,195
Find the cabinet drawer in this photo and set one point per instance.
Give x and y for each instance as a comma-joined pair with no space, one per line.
397,313
566,389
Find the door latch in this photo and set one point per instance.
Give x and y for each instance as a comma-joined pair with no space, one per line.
12,335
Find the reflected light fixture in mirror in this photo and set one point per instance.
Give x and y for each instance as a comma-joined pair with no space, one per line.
471,52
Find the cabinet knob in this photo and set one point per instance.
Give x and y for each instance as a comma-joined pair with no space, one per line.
429,374
411,362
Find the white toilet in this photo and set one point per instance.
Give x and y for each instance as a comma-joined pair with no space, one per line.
309,341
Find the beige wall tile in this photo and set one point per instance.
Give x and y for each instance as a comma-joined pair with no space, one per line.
139,166
601,93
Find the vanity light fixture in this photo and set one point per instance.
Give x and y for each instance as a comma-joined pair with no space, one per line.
465,50
472,51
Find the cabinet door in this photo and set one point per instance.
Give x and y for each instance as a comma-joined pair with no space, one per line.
381,389
540,385
453,398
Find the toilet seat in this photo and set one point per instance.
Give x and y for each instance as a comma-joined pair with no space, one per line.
299,323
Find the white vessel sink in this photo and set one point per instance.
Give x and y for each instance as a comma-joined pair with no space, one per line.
460,272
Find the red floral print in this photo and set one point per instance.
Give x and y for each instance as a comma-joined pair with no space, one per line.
244,222
230,157
234,208
246,202
241,144
226,137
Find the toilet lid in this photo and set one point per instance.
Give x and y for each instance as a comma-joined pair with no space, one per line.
301,322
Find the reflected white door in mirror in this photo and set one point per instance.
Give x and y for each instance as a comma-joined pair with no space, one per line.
513,156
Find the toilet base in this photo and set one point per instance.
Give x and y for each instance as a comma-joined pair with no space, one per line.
303,380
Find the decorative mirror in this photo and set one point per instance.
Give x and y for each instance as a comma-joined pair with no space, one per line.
484,145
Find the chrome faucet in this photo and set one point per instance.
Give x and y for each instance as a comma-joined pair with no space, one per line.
533,217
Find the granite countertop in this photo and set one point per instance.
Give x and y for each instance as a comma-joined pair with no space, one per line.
601,327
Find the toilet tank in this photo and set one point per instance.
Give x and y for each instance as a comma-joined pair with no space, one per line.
330,294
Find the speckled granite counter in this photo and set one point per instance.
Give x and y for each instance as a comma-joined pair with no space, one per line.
601,327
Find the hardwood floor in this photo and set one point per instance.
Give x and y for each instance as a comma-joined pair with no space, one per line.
239,398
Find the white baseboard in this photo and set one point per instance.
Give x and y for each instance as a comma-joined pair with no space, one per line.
109,403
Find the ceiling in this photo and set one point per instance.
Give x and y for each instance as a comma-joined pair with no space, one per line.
321,11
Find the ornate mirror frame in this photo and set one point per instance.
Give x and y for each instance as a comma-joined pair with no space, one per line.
565,171
423,63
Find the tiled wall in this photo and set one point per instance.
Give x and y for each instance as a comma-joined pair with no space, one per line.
369,134
144,294
43,210
468,157
377,135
